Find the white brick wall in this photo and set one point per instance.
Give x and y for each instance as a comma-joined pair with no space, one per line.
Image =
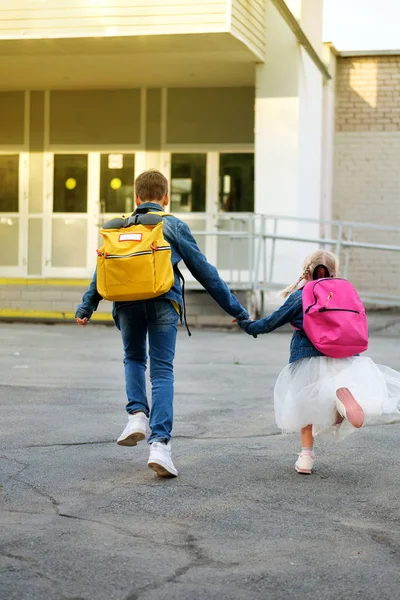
367,189
368,93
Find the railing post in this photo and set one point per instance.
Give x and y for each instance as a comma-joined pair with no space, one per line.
347,253
258,252
264,247
231,254
272,262
339,240
251,250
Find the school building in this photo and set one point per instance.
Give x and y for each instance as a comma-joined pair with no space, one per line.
233,100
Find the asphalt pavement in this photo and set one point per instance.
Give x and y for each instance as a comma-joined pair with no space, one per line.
84,519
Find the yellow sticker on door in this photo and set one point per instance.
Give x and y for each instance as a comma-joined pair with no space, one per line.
130,237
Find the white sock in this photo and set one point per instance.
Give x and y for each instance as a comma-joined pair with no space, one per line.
308,451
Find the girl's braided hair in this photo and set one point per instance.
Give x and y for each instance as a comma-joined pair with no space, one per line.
319,257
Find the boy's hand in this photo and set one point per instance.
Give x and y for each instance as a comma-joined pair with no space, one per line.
83,321
245,326
247,320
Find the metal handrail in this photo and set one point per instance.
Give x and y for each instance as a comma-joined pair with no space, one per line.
262,233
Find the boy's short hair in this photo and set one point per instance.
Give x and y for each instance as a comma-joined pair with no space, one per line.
151,185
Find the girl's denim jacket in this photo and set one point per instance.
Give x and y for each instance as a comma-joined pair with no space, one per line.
290,312
184,247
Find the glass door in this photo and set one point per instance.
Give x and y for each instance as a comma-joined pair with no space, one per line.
188,177
13,214
83,191
116,189
213,193
68,206
235,204
117,176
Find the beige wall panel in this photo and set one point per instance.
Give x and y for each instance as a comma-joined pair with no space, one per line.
9,242
36,146
210,116
36,125
12,106
248,24
36,175
35,242
95,117
153,120
49,19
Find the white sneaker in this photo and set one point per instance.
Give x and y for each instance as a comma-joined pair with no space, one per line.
305,463
160,460
135,431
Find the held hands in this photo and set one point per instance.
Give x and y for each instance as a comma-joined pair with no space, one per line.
245,324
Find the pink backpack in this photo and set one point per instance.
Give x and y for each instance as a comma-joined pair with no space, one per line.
334,318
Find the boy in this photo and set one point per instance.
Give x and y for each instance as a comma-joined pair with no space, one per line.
157,319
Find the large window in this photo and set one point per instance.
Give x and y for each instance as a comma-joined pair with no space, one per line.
70,183
188,182
236,182
117,172
9,182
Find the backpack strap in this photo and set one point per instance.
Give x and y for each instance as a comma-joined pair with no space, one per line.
181,277
144,219
151,218
116,223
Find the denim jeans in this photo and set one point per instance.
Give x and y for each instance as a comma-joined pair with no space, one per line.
158,320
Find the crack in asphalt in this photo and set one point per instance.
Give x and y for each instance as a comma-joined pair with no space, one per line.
33,564
19,462
382,538
176,437
56,507
67,444
198,559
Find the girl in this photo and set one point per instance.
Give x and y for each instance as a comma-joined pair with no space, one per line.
312,394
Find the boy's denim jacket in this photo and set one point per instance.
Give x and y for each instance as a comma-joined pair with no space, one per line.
184,247
290,312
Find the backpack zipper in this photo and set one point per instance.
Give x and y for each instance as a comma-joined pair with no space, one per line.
324,308
134,253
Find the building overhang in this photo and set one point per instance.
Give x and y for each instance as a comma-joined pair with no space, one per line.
193,60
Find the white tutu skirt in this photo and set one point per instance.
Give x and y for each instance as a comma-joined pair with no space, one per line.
305,393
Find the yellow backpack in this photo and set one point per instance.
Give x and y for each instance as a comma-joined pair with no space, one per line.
134,262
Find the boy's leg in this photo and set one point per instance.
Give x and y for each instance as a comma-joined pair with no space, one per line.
162,326
131,321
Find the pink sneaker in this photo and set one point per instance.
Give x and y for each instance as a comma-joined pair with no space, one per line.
348,407
305,463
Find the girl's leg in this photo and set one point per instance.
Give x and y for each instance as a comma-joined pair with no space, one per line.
305,462
307,438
